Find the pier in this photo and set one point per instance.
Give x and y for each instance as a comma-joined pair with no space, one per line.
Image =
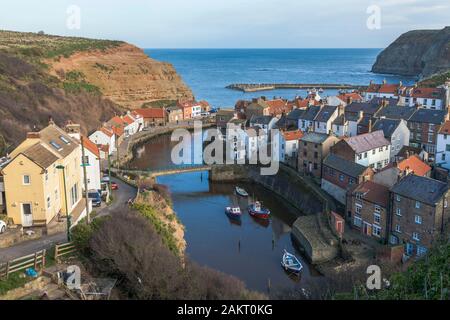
254,87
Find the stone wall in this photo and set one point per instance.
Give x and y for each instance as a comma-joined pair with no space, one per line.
228,173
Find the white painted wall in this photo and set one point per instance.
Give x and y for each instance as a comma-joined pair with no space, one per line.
375,158
92,171
98,137
443,151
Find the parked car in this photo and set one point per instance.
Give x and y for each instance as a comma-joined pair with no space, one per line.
105,179
114,186
2,226
96,198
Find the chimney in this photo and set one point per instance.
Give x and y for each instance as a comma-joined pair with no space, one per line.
349,100
341,110
370,126
73,130
33,135
50,121
384,81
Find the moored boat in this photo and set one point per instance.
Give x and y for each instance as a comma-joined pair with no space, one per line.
233,212
290,263
241,192
258,211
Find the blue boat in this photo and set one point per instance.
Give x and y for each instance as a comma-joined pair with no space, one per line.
290,263
233,213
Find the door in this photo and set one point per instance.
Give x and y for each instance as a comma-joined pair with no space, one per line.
367,229
27,215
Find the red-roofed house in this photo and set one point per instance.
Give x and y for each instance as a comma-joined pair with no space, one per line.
430,98
289,144
92,162
153,116
384,90
278,107
104,136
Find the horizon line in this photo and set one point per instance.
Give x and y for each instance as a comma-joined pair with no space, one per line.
257,48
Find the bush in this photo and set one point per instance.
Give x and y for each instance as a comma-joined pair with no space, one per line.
83,232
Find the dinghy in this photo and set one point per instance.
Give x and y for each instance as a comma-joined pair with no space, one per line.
233,212
290,263
258,211
241,192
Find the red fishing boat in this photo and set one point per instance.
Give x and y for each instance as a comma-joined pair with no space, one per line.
258,211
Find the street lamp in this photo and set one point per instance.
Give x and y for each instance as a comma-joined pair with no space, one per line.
61,167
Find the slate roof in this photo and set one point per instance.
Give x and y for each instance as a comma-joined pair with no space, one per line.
314,137
350,168
367,141
40,155
422,189
54,136
365,107
340,120
296,114
396,112
310,113
260,119
387,125
325,113
429,116
379,101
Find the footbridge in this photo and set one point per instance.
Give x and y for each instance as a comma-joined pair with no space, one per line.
165,171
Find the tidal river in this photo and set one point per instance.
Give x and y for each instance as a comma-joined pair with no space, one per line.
251,250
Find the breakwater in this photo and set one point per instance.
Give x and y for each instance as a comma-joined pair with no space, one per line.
254,87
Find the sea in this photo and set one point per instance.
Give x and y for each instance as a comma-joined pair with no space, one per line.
208,71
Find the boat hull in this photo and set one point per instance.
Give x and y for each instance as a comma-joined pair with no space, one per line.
233,215
259,214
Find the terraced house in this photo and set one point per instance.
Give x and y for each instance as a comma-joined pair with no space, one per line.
420,210
34,178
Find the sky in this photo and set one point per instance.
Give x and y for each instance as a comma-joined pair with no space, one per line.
229,23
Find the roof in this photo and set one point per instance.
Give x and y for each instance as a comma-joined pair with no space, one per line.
278,106
367,141
128,120
350,168
374,192
387,125
40,155
118,130
296,114
365,107
340,120
352,95
387,101
396,112
445,129
311,113
314,137
151,112
292,135
225,112
426,93
260,119
405,151
58,140
388,88
415,164
106,131
92,147
422,189
325,113
429,116
117,120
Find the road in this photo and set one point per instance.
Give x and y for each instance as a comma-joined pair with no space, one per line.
121,197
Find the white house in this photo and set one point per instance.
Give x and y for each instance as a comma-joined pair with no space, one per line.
236,141
324,119
196,110
369,149
104,136
340,126
429,98
443,146
289,141
383,90
92,163
264,122
395,131
306,118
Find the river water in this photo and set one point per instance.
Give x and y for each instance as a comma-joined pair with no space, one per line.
252,250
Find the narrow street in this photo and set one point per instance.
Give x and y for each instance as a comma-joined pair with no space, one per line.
120,196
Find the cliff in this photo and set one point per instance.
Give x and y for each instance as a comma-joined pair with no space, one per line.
125,75
416,53
66,78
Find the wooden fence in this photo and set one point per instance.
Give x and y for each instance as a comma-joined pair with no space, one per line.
63,249
34,260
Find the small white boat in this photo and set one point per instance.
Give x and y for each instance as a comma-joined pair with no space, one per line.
290,263
233,212
241,192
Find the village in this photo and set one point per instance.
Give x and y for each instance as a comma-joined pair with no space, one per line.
381,154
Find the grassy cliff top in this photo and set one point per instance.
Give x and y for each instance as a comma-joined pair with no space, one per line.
37,45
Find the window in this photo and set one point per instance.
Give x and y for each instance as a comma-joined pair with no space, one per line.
416,236
358,196
64,139
359,156
316,155
386,162
374,151
315,166
358,208
377,208
398,212
376,231
377,218
398,198
55,145
46,176
365,155
49,204
74,194
351,180
421,250
357,221
341,177
398,229
417,205
26,179
418,219
447,147
380,149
